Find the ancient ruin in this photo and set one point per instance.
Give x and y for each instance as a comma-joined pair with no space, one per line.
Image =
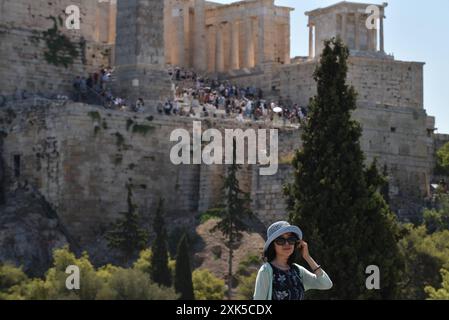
80,157
139,51
220,38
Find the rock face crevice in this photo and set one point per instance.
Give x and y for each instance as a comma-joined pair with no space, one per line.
30,230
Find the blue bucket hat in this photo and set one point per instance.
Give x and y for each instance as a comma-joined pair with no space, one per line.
279,228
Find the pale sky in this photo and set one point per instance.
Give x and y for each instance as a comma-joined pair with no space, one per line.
414,31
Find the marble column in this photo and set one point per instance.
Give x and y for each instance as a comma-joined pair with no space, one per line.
235,36
211,51
310,25
287,44
382,45
373,37
249,47
261,42
344,27
219,54
357,31
187,34
200,42
372,34
318,47
112,15
180,61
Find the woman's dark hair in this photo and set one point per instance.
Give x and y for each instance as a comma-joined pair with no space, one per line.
270,254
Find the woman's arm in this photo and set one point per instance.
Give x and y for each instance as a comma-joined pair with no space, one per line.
316,280
312,281
313,265
262,285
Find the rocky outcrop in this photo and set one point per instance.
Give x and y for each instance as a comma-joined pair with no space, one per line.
211,253
29,231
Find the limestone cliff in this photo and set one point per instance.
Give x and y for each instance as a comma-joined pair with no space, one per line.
29,231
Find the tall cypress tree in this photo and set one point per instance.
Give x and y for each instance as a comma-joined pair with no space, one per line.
160,273
126,235
183,271
334,198
233,212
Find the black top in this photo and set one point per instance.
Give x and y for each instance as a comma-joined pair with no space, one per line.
287,284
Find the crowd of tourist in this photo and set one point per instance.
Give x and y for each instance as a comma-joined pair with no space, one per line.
197,96
97,86
210,97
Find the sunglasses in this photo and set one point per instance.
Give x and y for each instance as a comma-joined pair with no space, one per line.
281,241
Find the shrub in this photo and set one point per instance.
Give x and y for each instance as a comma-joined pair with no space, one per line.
142,129
425,255
443,160
95,116
206,286
246,286
11,278
440,294
133,284
143,263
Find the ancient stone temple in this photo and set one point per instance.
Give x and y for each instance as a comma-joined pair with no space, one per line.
347,20
218,38
139,51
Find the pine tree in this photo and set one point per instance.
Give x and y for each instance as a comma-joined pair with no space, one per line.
160,273
334,198
233,212
183,271
126,235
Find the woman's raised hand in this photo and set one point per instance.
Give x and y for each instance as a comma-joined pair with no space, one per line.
304,249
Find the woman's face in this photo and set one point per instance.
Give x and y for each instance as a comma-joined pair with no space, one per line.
283,247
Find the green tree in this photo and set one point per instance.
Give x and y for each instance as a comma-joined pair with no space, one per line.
53,286
440,294
425,255
206,286
183,271
249,265
334,198
232,213
385,188
133,284
11,278
443,160
107,283
55,278
246,275
438,219
246,286
60,50
126,235
143,263
160,272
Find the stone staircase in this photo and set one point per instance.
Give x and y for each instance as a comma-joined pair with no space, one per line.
90,97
